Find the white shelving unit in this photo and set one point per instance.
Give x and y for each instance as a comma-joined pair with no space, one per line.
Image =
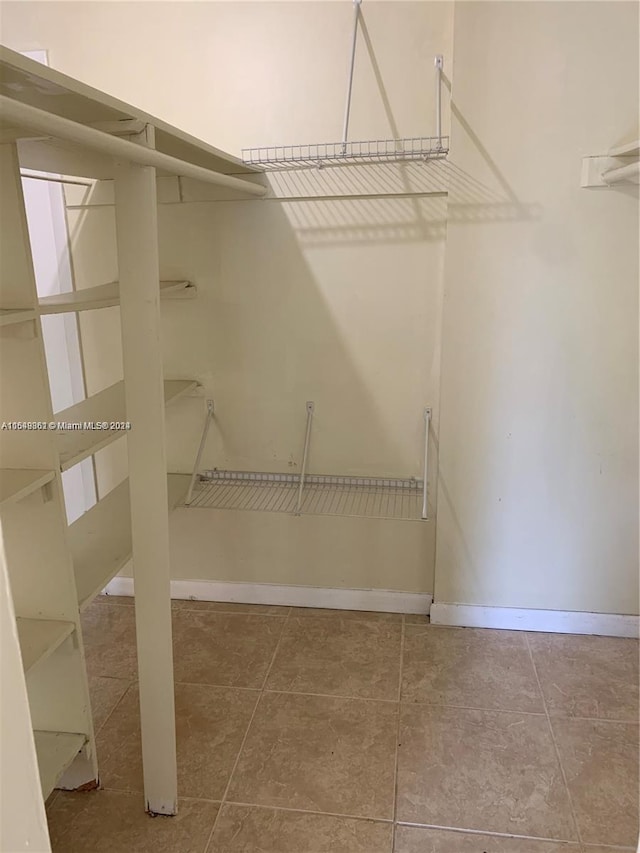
17,483
84,132
107,296
106,407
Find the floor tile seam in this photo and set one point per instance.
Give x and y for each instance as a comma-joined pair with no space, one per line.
555,745
386,820
96,732
216,686
226,612
489,832
397,744
330,696
408,704
246,735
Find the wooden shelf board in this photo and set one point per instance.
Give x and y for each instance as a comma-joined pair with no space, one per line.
56,752
106,406
33,83
17,483
104,296
100,540
41,637
9,316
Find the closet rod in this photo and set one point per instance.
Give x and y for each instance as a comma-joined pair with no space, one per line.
54,125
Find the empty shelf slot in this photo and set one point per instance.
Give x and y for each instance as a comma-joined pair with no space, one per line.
56,752
108,407
40,637
17,483
106,296
360,497
100,539
9,316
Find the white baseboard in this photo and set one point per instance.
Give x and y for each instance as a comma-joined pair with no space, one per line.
518,619
382,600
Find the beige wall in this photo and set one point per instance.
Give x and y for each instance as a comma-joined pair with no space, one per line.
538,497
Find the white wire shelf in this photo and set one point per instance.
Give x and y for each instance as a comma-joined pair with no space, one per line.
346,153
360,497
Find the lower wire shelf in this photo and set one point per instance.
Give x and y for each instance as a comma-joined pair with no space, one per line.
359,497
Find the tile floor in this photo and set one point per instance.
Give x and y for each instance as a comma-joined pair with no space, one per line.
315,731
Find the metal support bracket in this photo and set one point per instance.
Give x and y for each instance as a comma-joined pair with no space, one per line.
311,406
352,62
203,439
439,63
425,467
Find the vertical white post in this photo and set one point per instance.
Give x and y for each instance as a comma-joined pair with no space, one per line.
139,275
425,467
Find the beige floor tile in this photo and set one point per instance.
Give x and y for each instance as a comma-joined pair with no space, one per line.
358,615
319,754
114,822
411,839
109,634
252,829
495,771
232,607
232,650
588,848
105,694
126,600
341,657
600,760
469,667
210,725
587,676
416,619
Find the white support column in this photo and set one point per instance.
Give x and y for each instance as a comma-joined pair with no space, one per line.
139,275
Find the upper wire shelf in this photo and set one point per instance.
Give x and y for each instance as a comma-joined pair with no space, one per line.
346,153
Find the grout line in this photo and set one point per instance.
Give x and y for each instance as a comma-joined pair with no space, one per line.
397,755
472,708
96,732
492,833
246,735
216,686
309,811
332,696
553,740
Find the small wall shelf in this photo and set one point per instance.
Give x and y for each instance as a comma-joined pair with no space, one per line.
41,637
17,483
107,296
107,406
56,752
100,539
10,316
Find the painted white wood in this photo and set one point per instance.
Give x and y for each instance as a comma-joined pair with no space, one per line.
41,637
138,264
106,296
105,407
521,619
23,826
101,541
31,82
9,316
56,753
34,530
17,483
382,600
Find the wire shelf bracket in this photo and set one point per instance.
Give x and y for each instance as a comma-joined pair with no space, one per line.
317,155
